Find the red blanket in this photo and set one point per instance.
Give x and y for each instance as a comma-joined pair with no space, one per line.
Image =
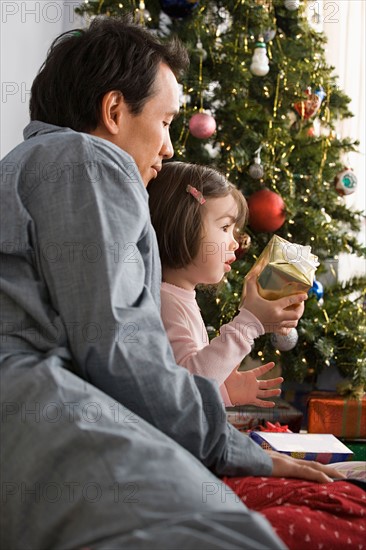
307,515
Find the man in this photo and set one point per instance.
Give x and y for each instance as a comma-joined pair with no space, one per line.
80,311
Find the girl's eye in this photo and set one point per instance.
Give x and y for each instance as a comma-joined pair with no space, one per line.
165,124
225,227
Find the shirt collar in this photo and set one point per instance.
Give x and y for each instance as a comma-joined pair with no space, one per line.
36,128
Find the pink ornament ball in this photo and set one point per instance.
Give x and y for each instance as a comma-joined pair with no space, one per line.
202,125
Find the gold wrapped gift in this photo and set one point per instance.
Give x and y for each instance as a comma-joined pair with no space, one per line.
284,268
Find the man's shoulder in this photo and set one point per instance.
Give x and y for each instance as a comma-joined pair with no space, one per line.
67,143
52,155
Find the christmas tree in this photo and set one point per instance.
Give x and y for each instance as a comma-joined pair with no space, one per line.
261,104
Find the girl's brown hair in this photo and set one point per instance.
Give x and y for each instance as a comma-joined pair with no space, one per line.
178,217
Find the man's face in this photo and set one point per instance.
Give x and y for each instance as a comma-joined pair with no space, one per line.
146,136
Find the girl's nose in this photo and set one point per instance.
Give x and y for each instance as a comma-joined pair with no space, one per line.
235,244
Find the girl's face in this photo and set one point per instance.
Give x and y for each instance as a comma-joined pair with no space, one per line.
218,244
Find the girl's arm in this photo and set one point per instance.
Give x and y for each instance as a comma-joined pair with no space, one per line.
188,337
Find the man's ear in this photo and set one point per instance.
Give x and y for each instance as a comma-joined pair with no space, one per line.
113,107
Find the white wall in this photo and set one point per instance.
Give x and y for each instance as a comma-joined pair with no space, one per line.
344,25
27,30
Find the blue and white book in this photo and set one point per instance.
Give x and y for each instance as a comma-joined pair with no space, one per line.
324,448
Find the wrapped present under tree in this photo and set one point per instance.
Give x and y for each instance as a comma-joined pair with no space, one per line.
341,416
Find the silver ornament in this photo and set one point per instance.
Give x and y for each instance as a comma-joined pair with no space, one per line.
292,5
285,343
269,35
200,51
256,170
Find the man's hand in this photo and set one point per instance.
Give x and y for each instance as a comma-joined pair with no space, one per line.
244,388
278,316
286,466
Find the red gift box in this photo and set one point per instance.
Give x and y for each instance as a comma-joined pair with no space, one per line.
340,416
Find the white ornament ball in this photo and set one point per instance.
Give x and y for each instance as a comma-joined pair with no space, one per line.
346,182
202,125
285,343
292,5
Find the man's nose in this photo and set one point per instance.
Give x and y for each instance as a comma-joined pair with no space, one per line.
167,151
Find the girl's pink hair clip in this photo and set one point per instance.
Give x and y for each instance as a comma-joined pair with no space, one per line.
196,194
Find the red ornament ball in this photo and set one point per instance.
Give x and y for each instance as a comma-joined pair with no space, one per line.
266,211
202,125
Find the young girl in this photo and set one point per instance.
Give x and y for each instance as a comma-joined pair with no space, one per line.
196,212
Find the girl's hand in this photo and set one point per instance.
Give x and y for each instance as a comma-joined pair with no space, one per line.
275,315
244,388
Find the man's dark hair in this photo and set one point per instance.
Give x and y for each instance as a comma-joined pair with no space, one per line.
83,65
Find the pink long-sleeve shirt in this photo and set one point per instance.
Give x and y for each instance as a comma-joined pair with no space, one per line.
189,339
